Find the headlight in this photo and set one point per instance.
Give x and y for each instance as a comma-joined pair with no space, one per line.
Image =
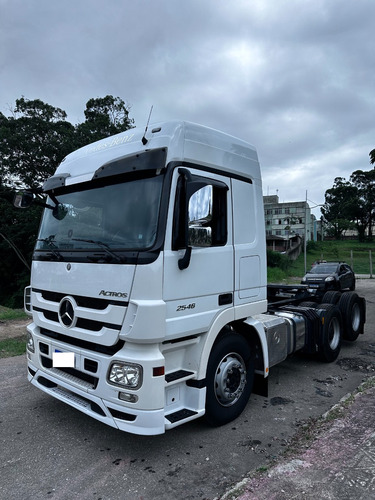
127,375
30,342
330,278
304,280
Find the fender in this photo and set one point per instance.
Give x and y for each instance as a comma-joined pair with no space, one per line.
224,319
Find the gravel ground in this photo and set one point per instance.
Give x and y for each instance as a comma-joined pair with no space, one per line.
13,329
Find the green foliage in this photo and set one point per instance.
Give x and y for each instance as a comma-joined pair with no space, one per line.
351,205
364,212
276,275
104,117
7,314
34,140
340,202
276,259
12,347
311,246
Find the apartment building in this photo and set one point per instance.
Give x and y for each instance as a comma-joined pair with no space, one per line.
287,224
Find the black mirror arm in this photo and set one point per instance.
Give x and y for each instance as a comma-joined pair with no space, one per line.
184,262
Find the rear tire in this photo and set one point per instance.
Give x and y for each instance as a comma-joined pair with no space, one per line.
353,315
307,303
330,332
230,377
331,297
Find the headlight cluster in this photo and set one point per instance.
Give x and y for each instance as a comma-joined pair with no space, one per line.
30,342
127,375
330,278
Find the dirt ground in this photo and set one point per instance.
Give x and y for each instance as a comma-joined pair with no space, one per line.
13,329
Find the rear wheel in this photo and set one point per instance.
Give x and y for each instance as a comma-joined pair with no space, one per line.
353,315
230,376
330,332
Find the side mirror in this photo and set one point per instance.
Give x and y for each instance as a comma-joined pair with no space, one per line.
60,211
23,199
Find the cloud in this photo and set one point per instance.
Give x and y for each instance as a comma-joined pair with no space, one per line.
293,78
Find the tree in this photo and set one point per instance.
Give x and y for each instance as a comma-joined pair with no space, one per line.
105,116
364,209
37,137
340,202
33,142
18,231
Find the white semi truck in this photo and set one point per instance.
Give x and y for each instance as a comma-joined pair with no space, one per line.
149,293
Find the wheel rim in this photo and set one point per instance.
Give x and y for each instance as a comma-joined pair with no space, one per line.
356,317
230,379
334,333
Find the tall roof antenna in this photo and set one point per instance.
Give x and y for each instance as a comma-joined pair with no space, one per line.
144,140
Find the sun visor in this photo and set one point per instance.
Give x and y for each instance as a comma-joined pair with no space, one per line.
153,159
54,182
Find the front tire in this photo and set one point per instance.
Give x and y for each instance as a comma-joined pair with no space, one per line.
230,377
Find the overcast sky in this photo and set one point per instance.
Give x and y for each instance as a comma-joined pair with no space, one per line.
294,78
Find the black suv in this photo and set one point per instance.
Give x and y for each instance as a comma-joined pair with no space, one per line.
330,276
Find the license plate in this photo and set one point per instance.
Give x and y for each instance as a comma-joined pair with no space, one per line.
63,359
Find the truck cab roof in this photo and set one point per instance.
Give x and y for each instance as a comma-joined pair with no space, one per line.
183,141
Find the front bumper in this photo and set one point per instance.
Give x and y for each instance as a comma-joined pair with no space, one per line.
163,402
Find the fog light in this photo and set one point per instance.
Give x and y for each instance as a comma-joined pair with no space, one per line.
129,398
127,375
30,342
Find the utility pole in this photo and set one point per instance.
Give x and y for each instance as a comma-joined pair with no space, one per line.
305,238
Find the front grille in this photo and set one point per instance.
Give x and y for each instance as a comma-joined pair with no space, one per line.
92,314
83,323
91,346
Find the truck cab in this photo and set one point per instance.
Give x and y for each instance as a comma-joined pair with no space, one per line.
149,287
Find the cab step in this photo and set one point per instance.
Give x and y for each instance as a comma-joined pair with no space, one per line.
180,415
178,375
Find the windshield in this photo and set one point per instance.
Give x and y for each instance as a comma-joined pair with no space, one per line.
122,216
323,269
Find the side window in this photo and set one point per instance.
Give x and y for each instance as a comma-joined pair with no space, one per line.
207,216
200,214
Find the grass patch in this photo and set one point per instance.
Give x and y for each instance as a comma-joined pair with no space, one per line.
354,253
12,347
276,275
7,314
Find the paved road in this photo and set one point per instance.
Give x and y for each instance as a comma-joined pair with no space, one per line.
51,451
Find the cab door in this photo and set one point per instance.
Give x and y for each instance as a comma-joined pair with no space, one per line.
198,257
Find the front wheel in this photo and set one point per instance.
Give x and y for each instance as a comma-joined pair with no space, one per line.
230,376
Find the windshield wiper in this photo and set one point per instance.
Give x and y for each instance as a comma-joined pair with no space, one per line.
54,249
102,245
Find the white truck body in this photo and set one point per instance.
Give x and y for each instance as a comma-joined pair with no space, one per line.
142,316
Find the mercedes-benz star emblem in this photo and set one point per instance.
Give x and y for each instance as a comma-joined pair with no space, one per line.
66,312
